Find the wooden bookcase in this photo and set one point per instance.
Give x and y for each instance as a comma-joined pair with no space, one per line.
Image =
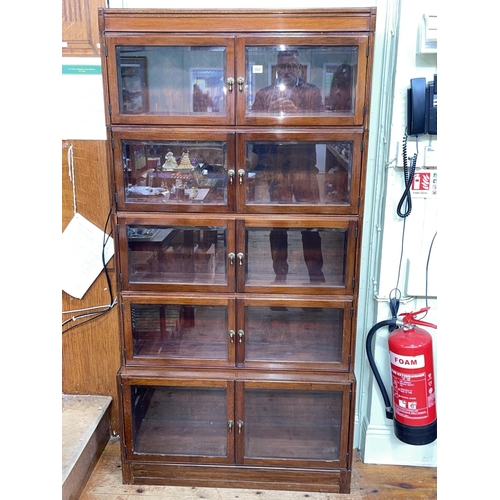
237,153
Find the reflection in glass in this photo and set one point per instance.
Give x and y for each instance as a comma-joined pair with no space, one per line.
179,331
294,256
179,420
167,254
299,173
293,334
302,425
175,172
134,88
298,80
340,97
171,80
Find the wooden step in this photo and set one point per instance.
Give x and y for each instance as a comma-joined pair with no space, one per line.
85,433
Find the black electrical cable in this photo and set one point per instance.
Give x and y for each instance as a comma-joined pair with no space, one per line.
409,172
401,254
427,275
394,307
394,301
106,237
94,315
427,268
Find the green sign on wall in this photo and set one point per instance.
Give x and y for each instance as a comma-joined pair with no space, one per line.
81,69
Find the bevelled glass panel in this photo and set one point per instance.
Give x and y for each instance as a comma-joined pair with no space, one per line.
299,173
296,256
173,331
171,80
173,172
176,254
293,334
295,80
292,424
179,420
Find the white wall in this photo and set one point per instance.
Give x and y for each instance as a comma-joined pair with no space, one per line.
385,228
382,228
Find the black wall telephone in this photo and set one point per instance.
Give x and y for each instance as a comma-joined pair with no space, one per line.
421,119
422,107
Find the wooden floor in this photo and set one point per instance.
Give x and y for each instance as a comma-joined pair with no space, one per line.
369,481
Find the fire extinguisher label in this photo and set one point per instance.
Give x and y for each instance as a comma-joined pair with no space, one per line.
410,395
408,362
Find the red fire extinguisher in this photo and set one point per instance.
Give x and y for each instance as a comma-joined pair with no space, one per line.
412,374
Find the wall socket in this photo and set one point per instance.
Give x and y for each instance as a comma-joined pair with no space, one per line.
425,159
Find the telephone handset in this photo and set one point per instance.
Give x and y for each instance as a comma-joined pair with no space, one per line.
422,107
416,107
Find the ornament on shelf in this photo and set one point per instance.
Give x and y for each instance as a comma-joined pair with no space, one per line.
170,162
185,161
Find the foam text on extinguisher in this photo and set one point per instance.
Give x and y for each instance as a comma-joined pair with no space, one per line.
408,362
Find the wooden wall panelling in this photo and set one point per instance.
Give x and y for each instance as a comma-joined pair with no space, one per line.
80,30
91,352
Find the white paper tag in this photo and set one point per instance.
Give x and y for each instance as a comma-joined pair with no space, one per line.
82,261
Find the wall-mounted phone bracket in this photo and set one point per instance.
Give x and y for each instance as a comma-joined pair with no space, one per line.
431,107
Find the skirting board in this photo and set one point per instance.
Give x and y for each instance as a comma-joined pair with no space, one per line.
379,445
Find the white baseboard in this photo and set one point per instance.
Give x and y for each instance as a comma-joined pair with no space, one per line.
379,445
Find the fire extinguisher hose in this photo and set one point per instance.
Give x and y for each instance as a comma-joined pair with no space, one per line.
389,412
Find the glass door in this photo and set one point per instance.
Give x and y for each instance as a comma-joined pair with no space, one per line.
299,254
317,81
292,425
304,172
169,170
179,420
176,253
162,330
166,79
294,333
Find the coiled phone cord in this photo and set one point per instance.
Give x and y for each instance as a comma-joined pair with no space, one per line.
409,172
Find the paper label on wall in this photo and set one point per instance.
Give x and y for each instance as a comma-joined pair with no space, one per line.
82,255
83,114
424,184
